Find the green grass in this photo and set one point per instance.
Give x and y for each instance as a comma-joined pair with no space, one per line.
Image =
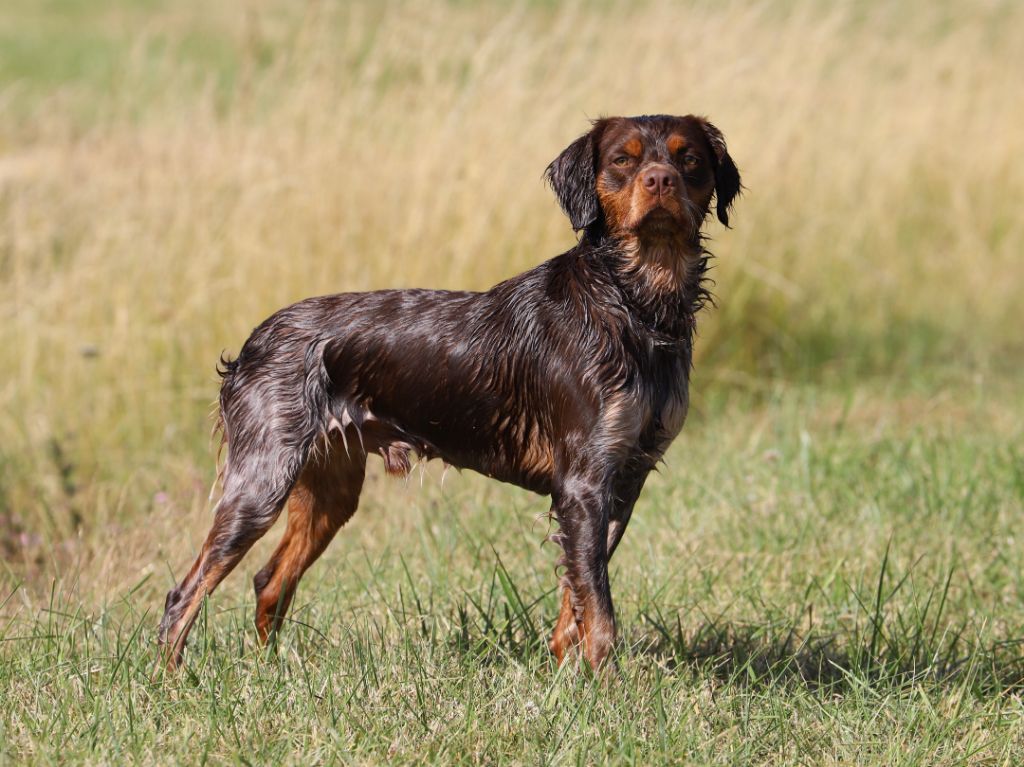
821,580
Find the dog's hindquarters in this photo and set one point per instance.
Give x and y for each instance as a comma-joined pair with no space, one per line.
272,405
324,498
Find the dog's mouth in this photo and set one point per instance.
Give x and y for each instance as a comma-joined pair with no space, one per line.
665,216
660,211
668,215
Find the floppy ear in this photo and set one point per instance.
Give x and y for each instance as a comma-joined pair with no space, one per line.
727,175
572,178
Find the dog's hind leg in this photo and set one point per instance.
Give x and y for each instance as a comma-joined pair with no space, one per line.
323,500
251,503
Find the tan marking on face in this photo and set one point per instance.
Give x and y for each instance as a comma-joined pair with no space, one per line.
675,143
616,204
642,202
627,208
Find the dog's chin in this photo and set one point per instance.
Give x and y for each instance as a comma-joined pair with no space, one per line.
661,223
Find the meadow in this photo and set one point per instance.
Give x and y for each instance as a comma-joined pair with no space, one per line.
826,569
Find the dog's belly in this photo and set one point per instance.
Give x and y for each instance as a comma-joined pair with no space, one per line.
439,407
512,453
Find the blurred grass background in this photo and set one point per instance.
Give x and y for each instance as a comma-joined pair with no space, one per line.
172,172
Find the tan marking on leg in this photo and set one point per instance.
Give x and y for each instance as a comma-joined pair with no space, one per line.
323,500
597,635
566,635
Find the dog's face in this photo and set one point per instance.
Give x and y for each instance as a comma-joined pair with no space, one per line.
647,177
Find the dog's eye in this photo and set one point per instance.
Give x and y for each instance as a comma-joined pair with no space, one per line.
622,160
691,160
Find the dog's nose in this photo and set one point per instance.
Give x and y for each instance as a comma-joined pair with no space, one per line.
659,180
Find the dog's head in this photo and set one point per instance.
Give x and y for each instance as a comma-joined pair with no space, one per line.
646,177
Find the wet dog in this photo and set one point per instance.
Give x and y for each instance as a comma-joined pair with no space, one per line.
569,380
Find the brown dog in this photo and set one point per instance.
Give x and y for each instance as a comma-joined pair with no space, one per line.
569,380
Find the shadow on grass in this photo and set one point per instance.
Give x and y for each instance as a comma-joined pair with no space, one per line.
772,653
835,662
877,646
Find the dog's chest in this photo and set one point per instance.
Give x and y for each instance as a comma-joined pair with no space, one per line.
671,407
672,415
667,395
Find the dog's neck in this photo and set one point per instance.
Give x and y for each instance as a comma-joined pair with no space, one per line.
664,265
663,281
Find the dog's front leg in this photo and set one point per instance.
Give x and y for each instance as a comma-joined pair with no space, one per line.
625,491
582,508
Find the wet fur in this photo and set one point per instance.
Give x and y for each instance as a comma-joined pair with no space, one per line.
569,380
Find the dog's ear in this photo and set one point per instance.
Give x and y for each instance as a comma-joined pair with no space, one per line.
727,175
572,177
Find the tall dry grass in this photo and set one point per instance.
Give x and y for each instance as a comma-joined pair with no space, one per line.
148,224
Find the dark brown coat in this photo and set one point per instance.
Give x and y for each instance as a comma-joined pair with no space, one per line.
569,380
